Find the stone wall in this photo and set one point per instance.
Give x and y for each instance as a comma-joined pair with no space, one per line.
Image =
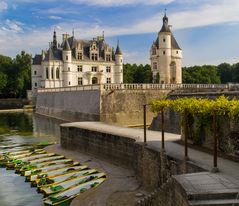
125,107
151,167
70,106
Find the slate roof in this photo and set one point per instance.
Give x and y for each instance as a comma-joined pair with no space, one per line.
37,59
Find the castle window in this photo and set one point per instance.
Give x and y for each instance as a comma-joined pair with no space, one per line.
108,80
52,73
47,74
94,80
57,73
155,66
94,69
80,81
108,69
164,52
66,58
35,84
164,40
176,52
107,57
79,68
80,56
35,72
69,83
154,51
69,69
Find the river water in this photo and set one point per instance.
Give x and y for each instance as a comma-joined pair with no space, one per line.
20,128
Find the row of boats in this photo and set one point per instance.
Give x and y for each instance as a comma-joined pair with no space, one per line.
59,179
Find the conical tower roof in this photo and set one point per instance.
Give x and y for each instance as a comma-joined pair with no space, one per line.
66,46
118,51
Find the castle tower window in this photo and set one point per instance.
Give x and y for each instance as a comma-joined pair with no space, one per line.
176,52
69,83
66,58
80,81
164,52
108,80
35,72
155,66
79,68
47,74
52,73
69,69
35,84
164,40
57,73
108,69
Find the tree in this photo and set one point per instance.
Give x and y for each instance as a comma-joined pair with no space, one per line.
225,72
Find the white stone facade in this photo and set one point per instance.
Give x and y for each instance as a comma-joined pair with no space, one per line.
166,57
77,62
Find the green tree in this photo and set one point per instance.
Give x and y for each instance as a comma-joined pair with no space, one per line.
225,72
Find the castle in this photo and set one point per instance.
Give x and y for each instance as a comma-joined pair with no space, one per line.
77,62
166,57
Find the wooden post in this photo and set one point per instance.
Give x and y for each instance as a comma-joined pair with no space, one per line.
144,106
215,168
162,128
185,116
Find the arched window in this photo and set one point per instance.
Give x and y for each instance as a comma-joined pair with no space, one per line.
94,80
57,73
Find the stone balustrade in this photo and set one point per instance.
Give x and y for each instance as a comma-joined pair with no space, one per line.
110,87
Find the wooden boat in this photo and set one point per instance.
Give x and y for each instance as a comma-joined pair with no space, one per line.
64,177
43,164
18,163
60,186
48,168
27,154
65,197
56,172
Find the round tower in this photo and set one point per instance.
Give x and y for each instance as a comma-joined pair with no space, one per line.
67,67
165,52
118,65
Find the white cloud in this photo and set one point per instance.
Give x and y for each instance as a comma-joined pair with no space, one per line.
3,6
109,3
55,17
11,25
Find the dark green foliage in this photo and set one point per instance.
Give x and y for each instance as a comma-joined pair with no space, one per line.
209,74
15,76
137,73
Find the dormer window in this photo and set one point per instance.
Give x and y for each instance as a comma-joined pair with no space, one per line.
79,56
94,56
108,57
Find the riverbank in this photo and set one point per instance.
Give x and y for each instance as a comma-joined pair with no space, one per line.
120,187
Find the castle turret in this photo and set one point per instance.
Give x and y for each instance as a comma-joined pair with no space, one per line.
67,68
166,56
54,45
118,65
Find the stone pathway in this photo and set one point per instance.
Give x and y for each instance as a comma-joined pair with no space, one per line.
204,188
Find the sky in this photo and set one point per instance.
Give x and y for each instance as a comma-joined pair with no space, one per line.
206,30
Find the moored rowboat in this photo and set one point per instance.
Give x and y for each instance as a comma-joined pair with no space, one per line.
67,176
58,187
57,171
65,197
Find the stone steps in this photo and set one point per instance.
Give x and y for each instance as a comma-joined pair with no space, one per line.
222,202
226,198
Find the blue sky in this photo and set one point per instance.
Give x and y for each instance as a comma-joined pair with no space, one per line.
206,30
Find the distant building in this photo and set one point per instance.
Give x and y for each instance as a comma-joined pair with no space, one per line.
77,62
166,57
